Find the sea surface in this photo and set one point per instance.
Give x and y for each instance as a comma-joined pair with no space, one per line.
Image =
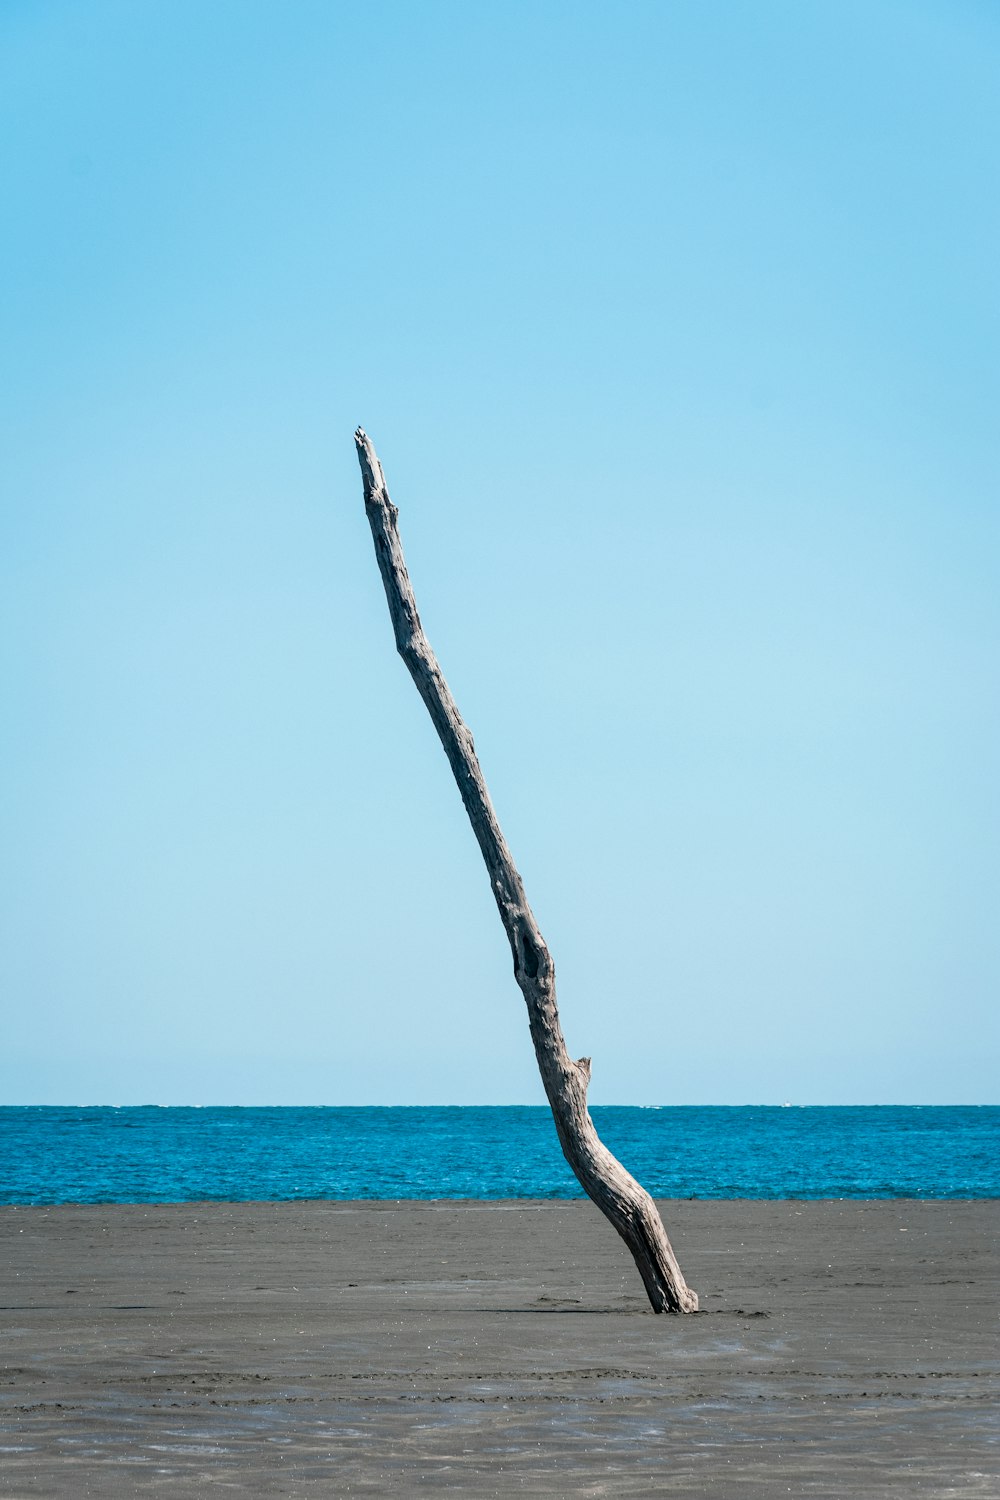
156,1154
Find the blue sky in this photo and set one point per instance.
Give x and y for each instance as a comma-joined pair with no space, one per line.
675,326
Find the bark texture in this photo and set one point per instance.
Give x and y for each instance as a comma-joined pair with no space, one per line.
624,1202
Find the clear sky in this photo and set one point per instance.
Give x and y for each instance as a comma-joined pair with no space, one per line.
675,326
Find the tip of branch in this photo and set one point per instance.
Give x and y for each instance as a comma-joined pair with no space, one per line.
371,469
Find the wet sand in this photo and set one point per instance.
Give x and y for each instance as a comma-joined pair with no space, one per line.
844,1349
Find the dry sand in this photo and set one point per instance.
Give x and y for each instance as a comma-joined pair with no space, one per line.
845,1349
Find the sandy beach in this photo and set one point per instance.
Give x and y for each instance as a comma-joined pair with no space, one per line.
844,1349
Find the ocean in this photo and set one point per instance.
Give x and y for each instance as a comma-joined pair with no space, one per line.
158,1154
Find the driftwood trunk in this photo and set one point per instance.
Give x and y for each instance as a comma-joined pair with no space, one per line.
628,1206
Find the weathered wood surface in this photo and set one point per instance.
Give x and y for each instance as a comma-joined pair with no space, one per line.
625,1203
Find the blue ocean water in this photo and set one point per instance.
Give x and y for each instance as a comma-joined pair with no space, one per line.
155,1155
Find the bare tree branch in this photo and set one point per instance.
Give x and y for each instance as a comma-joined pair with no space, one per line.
628,1206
